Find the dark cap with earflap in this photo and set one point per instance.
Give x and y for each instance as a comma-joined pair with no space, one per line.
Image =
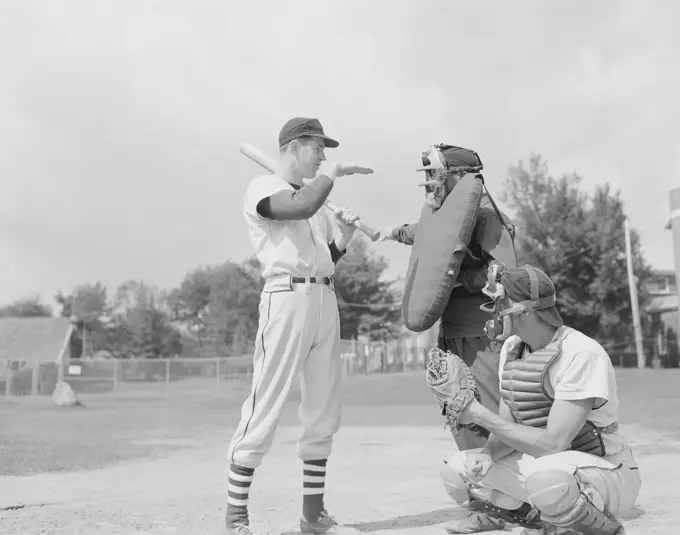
534,289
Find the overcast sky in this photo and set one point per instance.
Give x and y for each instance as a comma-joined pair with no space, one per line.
120,120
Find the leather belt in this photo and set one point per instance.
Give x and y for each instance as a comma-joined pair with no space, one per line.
312,280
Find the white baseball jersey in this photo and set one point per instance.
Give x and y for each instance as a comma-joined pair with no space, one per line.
298,248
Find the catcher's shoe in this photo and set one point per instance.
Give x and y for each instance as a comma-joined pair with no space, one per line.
547,530
554,531
475,523
526,516
325,525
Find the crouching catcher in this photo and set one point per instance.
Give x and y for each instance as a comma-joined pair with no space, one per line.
555,461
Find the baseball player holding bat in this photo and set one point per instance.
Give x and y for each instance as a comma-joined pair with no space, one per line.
299,324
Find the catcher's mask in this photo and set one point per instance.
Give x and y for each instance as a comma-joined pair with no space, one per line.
499,328
444,165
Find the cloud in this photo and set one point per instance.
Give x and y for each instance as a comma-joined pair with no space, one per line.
121,121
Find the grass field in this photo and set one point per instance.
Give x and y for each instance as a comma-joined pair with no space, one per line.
390,416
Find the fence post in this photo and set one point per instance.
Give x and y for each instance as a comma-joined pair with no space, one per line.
60,371
115,375
218,360
167,379
35,377
353,351
9,377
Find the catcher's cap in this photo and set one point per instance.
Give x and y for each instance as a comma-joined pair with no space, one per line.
298,127
530,283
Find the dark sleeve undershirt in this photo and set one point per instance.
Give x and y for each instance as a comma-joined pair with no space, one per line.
336,254
264,209
302,203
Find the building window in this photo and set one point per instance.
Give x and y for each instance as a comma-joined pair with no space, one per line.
664,286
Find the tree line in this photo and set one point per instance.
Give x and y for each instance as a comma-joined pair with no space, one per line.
214,310
575,236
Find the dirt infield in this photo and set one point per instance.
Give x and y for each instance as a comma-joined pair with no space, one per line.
383,478
380,480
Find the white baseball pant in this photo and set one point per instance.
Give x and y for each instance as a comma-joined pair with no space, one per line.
616,479
299,331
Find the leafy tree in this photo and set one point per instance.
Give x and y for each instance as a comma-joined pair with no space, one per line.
87,306
141,322
26,308
367,302
87,302
189,303
219,305
578,239
235,304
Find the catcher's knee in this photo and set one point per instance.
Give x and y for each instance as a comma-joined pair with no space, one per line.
562,502
451,474
552,491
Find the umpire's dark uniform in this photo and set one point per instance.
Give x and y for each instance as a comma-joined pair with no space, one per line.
462,323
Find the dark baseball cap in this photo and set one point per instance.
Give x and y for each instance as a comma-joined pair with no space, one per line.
298,127
518,287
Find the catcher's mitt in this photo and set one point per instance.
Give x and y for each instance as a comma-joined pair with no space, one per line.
452,384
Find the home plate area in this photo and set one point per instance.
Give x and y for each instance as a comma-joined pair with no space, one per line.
380,479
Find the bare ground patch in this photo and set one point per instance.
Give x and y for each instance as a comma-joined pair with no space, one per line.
382,480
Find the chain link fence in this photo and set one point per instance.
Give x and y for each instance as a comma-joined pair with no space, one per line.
156,378
167,378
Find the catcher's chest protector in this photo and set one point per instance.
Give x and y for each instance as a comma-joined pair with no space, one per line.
523,389
441,241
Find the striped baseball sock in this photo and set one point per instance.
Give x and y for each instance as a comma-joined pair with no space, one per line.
240,479
313,483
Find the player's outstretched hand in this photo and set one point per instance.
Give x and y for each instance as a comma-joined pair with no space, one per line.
351,169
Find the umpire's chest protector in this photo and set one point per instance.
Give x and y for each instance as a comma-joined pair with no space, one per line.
440,244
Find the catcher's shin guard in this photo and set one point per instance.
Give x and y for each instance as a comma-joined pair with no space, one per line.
565,503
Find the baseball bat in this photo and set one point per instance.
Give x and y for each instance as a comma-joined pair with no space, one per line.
256,155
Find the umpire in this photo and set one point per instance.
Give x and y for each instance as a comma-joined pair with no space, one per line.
462,324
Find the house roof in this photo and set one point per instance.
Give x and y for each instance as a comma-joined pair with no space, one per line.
663,273
39,338
662,303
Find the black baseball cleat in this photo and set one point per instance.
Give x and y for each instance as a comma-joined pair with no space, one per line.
474,523
325,525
